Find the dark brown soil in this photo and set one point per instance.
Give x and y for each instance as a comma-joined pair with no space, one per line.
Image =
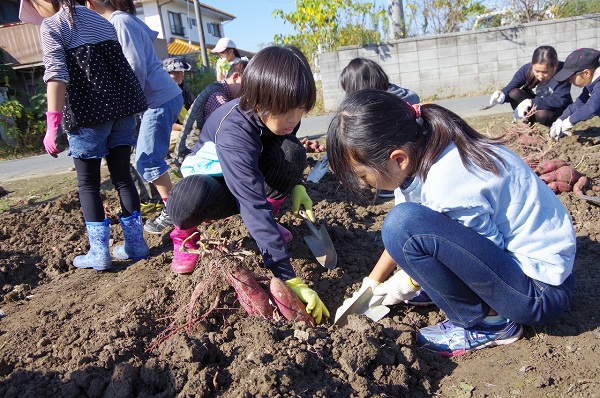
66,332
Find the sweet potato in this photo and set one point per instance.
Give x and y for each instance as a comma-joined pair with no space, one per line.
564,173
548,177
546,166
560,186
567,174
253,298
580,185
288,303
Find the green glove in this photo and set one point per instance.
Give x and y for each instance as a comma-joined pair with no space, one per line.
314,305
301,198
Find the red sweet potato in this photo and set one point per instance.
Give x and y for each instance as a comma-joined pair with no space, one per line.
253,298
564,173
567,174
546,166
580,185
548,177
288,303
560,186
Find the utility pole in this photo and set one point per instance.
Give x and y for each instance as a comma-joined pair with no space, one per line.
396,18
200,32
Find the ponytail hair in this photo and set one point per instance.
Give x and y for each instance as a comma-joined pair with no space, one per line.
370,124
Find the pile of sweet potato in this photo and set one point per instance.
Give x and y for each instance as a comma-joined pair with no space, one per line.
278,300
561,177
312,146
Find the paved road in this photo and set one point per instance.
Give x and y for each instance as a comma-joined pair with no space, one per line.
311,127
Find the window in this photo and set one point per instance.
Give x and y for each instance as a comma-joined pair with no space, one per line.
214,29
176,24
191,23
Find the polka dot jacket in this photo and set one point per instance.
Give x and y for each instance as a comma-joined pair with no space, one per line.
83,52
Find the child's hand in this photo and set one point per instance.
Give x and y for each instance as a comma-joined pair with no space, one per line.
398,288
53,119
524,107
497,98
301,198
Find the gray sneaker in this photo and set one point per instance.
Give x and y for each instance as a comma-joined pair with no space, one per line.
157,225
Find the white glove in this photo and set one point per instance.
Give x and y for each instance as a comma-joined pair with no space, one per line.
368,283
523,108
396,289
497,98
556,129
566,126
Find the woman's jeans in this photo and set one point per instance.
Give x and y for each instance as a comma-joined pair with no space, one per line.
466,274
197,198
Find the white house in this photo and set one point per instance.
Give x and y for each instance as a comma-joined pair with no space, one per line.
175,20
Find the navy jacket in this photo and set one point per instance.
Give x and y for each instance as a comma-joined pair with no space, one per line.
586,106
559,98
239,138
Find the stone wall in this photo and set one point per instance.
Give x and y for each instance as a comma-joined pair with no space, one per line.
473,62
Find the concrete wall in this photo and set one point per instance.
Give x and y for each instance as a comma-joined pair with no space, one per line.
473,62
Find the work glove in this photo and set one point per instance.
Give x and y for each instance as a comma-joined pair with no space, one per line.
566,126
301,198
497,98
556,129
53,119
368,283
314,305
523,108
398,288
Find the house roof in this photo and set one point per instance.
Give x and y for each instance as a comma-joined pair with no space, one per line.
183,47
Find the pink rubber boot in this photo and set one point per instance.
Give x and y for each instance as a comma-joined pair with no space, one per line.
184,263
285,233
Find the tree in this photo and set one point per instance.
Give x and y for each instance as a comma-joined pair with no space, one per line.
326,25
574,8
441,16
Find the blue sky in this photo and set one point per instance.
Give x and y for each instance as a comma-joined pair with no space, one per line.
254,23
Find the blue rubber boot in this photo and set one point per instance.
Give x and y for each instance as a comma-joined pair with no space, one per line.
135,247
98,257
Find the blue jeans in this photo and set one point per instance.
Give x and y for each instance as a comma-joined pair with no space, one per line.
466,274
154,138
94,142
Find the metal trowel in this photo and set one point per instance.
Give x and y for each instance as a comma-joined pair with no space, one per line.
320,243
591,199
320,169
362,302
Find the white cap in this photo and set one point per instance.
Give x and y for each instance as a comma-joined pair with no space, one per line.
223,44
28,14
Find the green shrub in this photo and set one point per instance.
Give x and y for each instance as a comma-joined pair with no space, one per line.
196,81
26,125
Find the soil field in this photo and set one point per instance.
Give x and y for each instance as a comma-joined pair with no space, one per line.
142,331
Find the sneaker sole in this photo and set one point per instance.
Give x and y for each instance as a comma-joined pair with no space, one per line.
492,343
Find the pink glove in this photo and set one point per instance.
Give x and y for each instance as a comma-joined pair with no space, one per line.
53,119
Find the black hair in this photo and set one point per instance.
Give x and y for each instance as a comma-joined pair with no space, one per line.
362,73
370,124
278,79
237,67
544,55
